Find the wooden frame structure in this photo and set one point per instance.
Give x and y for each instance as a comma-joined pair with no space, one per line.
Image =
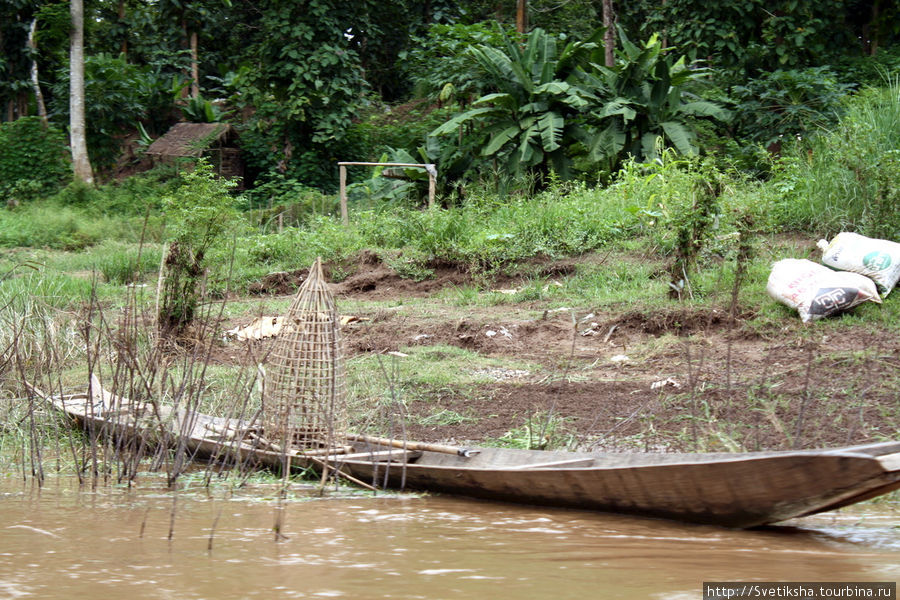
430,168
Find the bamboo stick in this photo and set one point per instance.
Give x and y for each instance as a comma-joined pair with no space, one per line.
422,446
337,471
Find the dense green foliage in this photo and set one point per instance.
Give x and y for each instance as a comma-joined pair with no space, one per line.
32,159
646,104
296,77
787,103
752,36
440,66
533,117
552,105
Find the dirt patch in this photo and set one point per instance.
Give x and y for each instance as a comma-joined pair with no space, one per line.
279,283
377,281
676,379
373,279
709,393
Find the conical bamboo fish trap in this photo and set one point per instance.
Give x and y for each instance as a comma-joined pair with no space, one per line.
304,401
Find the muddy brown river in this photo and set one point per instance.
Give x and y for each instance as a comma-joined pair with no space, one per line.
62,541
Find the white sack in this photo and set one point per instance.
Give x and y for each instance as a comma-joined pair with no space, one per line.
877,259
816,291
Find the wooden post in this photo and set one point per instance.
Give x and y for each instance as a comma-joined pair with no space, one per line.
432,185
344,216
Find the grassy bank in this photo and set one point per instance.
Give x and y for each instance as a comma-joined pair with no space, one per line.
666,266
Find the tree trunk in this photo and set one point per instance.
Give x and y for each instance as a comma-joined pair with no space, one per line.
609,36
121,14
195,66
521,16
81,164
35,83
875,32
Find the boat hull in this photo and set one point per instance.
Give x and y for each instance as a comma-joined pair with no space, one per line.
727,489
732,491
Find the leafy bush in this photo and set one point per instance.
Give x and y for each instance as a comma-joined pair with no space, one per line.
32,159
278,194
532,119
440,66
646,104
200,110
555,104
787,103
860,71
198,214
404,126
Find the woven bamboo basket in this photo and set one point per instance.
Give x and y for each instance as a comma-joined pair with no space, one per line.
304,403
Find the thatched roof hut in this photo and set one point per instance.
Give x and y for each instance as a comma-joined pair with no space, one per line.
192,140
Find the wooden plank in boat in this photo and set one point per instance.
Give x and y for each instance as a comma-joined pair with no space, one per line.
379,456
557,463
890,462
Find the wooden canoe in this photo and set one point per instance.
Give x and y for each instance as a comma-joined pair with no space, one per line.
728,489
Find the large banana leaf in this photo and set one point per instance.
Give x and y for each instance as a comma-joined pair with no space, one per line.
680,137
608,143
453,124
550,127
504,100
619,106
702,108
500,139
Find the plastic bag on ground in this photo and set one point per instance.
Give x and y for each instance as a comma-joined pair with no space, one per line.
816,291
876,259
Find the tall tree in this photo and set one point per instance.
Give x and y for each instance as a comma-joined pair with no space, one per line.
35,82
81,163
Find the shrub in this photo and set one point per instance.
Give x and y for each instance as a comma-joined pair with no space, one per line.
787,104
123,264
33,159
198,214
440,66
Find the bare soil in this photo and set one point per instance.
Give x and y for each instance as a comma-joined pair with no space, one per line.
673,380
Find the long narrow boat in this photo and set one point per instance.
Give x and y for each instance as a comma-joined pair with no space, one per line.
728,489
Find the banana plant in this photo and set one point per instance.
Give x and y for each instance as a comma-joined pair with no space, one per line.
532,118
647,106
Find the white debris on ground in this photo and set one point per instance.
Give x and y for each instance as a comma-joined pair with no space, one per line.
269,327
261,328
500,374
619,358
592,329
502,331
664,383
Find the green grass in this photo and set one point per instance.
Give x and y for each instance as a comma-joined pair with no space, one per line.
846,178
540,431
